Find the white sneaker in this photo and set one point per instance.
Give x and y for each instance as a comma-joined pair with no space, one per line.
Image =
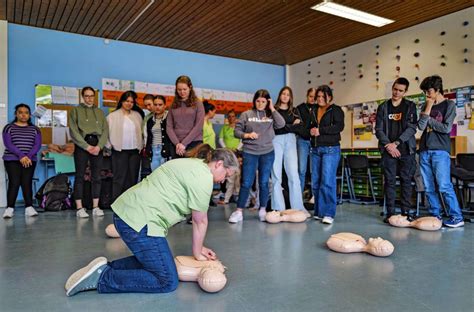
97,212
262,214
327,220
82,213
30,212
236,217
316,217
9,212
85,278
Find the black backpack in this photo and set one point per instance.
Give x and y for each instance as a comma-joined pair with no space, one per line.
54,194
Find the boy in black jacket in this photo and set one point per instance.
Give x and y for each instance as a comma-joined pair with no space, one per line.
395,129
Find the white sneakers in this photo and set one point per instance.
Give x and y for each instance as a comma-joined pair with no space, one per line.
236,216
9,212
327,220
97,212
82,213
29,212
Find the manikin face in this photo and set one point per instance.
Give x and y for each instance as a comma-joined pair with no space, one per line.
148,105
128,104
183,90
321,100
89,97
261,103
22,114
398,92
285,96
158,106
310,97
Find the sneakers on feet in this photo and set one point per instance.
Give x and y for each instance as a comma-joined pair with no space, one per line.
86,278
262,214
9,212
82,213
328,220
236,216
316,217
30,212
97,212
454,223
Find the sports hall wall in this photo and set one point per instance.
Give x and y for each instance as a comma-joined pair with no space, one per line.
455,73
40,56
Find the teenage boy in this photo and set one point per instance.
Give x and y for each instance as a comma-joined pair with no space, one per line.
436,121
395,129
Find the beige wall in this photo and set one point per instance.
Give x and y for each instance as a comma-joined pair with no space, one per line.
355,90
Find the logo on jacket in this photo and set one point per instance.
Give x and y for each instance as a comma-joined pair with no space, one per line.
395,117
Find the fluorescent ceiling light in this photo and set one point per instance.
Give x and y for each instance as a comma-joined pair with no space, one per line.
352,14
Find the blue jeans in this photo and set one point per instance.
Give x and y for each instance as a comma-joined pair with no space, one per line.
285,154
151,269
250,164
324,162
157,160
435,166
304,150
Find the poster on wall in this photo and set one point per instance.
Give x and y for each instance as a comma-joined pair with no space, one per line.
364,115
223,100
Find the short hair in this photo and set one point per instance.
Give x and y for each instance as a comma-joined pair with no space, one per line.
434,82
87,88
148,97
310,90
208,107
402,81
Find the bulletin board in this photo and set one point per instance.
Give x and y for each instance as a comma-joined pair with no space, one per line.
223,100
53,104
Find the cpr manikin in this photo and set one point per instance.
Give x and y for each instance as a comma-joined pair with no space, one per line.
209,274
425,223
350,242
289,215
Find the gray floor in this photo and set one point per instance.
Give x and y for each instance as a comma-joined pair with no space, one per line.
272,267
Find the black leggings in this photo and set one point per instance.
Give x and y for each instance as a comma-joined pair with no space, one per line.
125,167
81,159
19,176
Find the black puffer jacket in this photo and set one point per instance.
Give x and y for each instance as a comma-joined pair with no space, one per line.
330,126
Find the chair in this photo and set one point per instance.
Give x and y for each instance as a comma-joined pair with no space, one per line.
342,176
358,167
463,174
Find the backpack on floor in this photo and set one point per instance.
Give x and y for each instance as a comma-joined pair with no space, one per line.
54,194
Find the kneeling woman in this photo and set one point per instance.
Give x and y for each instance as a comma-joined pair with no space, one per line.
143,215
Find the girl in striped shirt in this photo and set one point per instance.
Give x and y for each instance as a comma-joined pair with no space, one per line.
22,142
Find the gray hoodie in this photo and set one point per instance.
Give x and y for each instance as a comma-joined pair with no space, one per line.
257,121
